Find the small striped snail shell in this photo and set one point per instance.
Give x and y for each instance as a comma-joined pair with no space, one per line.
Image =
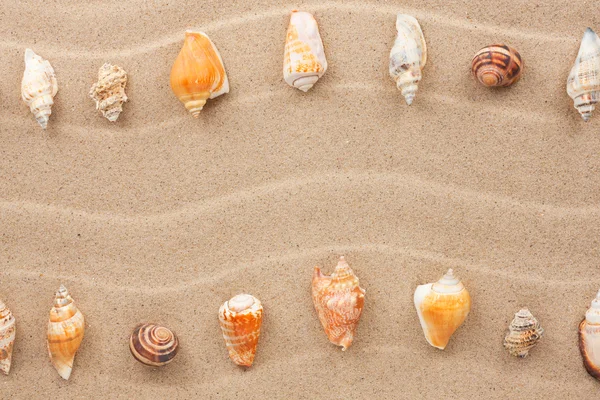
497,65
153,345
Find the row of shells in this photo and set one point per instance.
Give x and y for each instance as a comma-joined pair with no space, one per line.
442,307
198,73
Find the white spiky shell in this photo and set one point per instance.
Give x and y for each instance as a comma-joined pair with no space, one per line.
304,59
109,91
408,56
38,87
523,334
7,337
583,83
589,338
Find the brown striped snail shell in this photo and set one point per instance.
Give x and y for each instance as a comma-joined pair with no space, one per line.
153,345
497,65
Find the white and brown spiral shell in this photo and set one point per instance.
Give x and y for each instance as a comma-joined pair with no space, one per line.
153,345
7,337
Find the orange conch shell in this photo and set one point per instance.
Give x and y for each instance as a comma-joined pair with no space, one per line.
442,307
304,58
240,319
589,338
65,332
339,302
7,337
198,73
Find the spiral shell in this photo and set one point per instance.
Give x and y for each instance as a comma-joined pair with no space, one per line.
583,83
65,332
240,319
497,65
153,345
339,301
198,73
7,337
589,338
304,57
38,87
408,56
442,307
109,91
523,334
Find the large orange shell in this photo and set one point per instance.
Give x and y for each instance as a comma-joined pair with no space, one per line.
240,319
198,73
497,65
65,332
339,301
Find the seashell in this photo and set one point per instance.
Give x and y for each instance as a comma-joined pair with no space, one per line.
153,345
523,334
583,83
497,65
240,319
198,73
442,307
408,56
7,337
304,57
589,338
65,332
109,91
38,87
339,302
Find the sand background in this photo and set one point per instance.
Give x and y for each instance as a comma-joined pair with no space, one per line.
160,217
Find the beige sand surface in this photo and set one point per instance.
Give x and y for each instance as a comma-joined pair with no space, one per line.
160,217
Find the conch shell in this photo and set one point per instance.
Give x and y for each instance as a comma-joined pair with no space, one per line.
65,332
339,302
7,337
442,307
240,319
589,338
109,91
304,58
153,345
497,65
583,84
408,56
38,87
523,334
198,73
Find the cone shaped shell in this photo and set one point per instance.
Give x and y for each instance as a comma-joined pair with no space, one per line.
583,83
109,91
240,319
523,334
65,332
7,338
198,73
589,338
38,87
304,57
497,65
339,301
408,56
153,345
442,307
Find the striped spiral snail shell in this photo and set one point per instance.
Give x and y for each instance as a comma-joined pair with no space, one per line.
153,345
497,65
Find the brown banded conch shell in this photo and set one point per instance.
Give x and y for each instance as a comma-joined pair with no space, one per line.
240,319
442,307
497,65
65,332
589,338
583,83
153,345
339,301
109,91
7,337
523,334
38,87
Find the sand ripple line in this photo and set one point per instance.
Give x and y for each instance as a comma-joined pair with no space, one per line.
298,259
321,181
392,10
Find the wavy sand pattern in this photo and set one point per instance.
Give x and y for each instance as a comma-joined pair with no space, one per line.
161,217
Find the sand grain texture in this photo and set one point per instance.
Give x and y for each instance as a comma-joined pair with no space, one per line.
160,217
